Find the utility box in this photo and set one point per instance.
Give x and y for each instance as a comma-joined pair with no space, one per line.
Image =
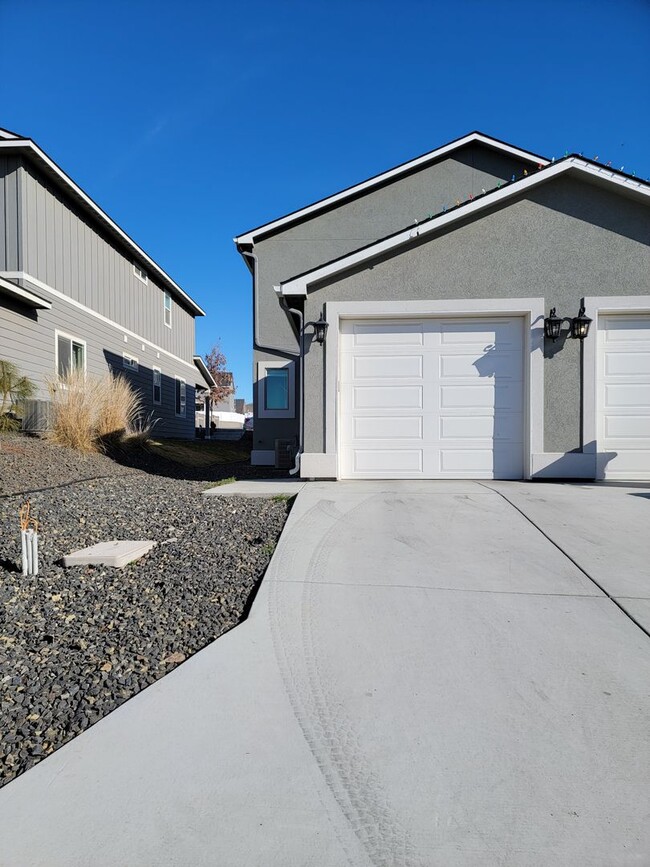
285,450
37,416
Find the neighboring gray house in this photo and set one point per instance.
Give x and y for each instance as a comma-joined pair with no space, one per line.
437,280
76,291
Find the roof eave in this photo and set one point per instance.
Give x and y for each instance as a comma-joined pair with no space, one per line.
203,370
33,149
298,286
303,213
25,296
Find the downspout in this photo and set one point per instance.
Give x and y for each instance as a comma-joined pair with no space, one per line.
301,415
252,257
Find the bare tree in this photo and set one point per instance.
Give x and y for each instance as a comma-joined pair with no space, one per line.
215,361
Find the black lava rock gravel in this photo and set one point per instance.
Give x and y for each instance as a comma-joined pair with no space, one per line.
75,643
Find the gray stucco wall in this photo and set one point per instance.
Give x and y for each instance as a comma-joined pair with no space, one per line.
566,240
27,337
348,227
65,248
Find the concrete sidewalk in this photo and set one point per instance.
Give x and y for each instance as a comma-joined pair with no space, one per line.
425,679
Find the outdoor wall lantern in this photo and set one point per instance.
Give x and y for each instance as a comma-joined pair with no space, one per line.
320,329
579,325
552,326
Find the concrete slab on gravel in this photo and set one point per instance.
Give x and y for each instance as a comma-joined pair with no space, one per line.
117,553
258,488
424,678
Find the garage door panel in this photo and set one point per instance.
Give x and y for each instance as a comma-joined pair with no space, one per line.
389,334
387,427
452,407
628,426
486,366
456,332
631,363
386,366
484,396
486,427
388,460
387,397
624,395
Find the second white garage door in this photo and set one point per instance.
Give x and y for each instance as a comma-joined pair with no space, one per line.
432,398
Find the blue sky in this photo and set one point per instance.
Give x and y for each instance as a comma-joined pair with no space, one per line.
192,122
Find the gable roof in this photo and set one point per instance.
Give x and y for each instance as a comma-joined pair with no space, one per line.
573,163
10,141
378,180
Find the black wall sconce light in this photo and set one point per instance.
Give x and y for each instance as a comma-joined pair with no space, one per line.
320,329
579,325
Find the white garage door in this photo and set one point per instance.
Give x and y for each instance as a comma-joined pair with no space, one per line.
624,396
432,398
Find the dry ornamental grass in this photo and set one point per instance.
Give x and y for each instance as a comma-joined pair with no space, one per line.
88,410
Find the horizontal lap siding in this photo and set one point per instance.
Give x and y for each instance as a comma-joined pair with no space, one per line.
65,249
28,339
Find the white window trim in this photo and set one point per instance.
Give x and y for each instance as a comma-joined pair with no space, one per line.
23,275
595,308
153,387
141,274
130,362
183,392
262,367
532,309
167,295
73,339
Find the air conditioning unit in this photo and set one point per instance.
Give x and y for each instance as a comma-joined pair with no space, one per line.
285,450
37,416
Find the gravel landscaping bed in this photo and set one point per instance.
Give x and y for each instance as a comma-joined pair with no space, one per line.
75,643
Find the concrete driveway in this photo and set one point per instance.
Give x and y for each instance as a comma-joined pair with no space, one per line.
425,679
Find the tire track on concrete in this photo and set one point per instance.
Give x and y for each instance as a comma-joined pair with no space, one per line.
328,730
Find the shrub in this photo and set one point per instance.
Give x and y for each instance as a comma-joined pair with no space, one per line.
14,389
88,412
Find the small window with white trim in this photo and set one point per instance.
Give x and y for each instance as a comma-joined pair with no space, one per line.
167,306
157,385
180,397
140,273
130,362
275,389
70,354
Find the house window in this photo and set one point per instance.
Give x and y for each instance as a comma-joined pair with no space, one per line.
70,354
180,397
130,362
140,274
275,389
167,302
157,385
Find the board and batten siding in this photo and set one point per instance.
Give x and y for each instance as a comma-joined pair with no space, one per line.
28,338
10,258
67,250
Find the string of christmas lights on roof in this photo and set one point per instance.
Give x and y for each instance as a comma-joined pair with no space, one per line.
471,197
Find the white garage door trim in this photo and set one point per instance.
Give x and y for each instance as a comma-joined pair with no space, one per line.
597,308
532,309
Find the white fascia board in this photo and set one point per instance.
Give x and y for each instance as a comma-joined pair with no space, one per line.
41,155
249,237
205,373
299,285
24,295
